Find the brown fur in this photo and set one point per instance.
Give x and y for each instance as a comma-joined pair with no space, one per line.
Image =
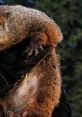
38,92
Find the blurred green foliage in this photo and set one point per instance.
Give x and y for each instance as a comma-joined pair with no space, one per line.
68,15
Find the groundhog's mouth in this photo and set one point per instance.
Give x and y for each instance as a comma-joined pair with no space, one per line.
14,63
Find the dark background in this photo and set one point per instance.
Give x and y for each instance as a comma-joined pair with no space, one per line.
68,15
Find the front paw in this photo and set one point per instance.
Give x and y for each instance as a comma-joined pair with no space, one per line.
34,48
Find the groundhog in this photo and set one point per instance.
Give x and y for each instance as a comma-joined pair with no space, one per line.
18,23
38,91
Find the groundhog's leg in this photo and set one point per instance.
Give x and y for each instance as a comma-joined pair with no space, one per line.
38,40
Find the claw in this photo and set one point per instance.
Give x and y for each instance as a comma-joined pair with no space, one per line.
30,52
36,52
41,47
